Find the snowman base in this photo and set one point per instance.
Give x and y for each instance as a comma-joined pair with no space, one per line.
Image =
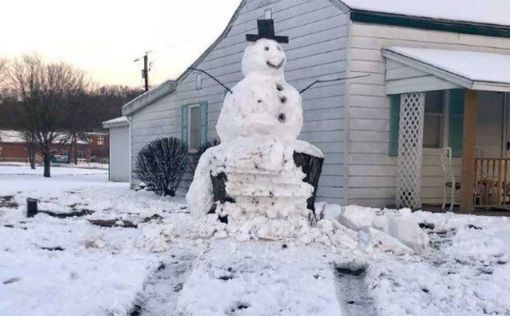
254,177
311,166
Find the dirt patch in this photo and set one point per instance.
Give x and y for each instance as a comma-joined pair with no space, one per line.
109,223
11,280
81,213
8,201
58,248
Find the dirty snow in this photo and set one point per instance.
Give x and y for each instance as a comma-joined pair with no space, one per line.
159,260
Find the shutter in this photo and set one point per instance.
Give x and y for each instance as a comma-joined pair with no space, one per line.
394,124
203,122
184,123
456,121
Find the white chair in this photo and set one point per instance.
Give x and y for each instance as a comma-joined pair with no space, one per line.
448,177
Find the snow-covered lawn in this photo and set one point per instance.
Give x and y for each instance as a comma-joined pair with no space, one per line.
158,260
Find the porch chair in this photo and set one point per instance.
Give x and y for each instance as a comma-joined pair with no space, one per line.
448,177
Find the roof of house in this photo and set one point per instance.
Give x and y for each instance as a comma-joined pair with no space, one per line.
470,69
149,97
170,85
476,11
12,136
116,122
487,17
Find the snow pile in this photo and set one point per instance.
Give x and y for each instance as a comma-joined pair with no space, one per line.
389,229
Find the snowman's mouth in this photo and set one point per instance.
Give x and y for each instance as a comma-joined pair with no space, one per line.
280,65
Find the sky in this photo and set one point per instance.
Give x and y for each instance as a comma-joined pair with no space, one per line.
104,37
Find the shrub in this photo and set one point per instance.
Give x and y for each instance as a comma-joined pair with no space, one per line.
161,165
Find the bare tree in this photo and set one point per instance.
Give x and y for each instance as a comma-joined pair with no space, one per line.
49,94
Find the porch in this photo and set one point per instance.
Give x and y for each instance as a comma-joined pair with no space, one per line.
450,127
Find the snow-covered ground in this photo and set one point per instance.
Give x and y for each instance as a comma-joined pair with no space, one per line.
156,259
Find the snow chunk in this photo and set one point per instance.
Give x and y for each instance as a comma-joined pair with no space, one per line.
388,227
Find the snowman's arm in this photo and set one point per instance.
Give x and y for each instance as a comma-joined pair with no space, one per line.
330,80
211,76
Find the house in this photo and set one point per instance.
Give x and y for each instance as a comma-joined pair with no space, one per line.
119,157
436,74
99,144
13,147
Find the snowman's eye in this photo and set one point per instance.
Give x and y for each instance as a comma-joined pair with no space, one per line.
266,48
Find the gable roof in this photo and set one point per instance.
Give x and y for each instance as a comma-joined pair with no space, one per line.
480,17
150,96
470,69
116,122
475,11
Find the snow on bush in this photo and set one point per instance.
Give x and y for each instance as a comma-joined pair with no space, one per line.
161,165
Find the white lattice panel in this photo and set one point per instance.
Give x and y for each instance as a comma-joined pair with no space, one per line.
410,150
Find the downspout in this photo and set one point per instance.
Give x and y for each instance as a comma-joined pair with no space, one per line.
130,152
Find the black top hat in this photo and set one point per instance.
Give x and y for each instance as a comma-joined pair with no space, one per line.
266,30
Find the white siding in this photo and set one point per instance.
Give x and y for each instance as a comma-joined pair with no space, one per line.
317,49
371,174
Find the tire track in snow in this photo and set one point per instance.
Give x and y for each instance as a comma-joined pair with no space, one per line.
352,291
162,289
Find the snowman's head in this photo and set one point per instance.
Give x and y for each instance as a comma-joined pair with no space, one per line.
265,57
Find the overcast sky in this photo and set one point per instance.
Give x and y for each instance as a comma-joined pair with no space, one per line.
103,37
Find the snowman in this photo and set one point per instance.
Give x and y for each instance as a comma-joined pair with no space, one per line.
257,173
263,103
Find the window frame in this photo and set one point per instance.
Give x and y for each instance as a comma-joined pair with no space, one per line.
186,123
188,109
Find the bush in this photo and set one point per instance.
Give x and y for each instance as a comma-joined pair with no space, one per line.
161,165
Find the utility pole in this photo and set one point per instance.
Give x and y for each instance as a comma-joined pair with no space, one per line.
145,70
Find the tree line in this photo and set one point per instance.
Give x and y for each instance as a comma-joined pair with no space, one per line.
54,103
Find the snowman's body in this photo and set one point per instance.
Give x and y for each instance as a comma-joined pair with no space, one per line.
263,103
258,127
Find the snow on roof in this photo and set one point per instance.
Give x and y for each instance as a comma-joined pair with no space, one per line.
11,137
471,65
478,11
116,122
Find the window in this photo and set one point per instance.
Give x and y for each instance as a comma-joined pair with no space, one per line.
443,126
194,125
434,126
100,140
80,155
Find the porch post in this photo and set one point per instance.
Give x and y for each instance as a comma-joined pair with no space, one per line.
468,152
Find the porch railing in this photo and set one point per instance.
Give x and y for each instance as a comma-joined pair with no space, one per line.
492,183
